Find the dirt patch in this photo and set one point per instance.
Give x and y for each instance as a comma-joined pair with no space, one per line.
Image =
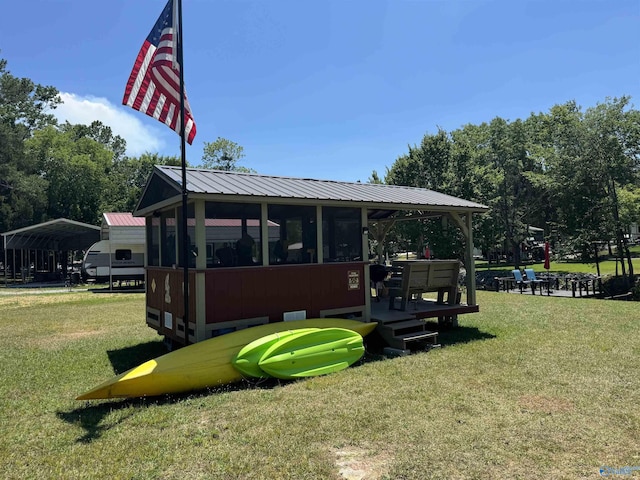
356,463
540,403
12,300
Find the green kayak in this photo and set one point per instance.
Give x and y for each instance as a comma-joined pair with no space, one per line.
247,359
317,352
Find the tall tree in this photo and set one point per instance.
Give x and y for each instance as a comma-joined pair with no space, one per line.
613,149
508,155
99,132
429,165
374,178
592,157
223,154
473,178
24,107
127,179
75,170
575,174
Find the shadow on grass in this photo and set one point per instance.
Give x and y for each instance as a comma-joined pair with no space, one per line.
127,358
90,418
448,336
93,418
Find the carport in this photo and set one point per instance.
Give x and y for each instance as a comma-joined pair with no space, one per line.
43,247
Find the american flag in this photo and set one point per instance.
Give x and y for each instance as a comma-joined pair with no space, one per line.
154,84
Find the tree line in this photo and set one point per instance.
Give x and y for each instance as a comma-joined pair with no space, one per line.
573,172
50,170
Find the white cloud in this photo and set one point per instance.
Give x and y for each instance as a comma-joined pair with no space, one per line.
77,109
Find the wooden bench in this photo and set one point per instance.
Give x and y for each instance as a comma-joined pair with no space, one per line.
421,276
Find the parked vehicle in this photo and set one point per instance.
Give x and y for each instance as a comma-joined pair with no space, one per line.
110,261
120,255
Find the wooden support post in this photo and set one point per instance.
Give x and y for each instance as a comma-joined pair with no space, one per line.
366,281
471,267
319,237
466,226
264,233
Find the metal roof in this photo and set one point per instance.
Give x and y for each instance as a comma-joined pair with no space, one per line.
60,234
219,183
122,219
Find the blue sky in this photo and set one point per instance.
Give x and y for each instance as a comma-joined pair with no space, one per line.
330,89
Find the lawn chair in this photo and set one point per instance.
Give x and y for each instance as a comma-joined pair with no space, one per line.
531,276
521,282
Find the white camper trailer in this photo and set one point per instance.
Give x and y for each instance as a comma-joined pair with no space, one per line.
119,255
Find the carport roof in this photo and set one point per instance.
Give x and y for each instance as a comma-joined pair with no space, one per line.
60,234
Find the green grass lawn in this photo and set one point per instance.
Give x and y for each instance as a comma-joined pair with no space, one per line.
530,387
607,267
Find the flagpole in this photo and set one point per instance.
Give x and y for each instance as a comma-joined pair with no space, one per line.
185,246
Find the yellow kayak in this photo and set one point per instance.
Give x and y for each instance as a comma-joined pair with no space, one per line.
204,364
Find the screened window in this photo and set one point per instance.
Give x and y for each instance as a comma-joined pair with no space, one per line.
294,237
341,234
232,234
168,238
191,236
153,241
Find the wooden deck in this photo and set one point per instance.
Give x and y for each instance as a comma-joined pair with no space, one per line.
418,309
407,329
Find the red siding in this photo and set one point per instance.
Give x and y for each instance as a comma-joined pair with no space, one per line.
234,294
157,295
241,293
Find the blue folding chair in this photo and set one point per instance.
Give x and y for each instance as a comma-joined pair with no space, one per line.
531,276
521,282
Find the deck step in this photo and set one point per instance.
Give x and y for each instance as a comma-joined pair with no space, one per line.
404,341
415,336
398,328
392,316
429,339
400,334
